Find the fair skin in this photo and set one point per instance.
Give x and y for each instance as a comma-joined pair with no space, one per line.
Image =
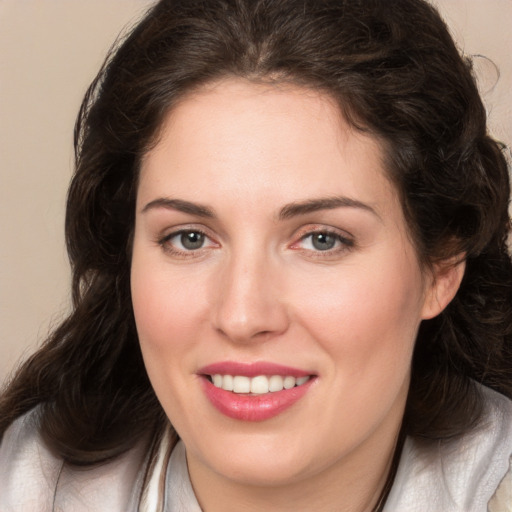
267,231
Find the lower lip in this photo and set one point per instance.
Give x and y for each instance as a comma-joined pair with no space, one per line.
254,407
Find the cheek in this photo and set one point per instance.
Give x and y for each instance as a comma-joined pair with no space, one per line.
366,318
167,315
166,309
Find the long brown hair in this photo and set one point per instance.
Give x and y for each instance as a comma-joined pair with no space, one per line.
395,73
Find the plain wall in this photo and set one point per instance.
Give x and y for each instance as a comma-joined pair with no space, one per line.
49,52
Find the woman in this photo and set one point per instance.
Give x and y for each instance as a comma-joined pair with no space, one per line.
288,235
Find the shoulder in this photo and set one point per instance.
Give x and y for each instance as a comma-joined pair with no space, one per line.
460,475
28,471
32,478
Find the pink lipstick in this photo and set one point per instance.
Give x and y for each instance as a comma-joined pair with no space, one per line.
256,391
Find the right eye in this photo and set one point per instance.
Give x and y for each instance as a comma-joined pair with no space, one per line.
186,241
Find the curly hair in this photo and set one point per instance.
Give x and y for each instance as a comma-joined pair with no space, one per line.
396,74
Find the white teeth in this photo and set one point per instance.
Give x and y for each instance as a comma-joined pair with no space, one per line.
241,384
302,380
275,383
227,383
257,385
289,382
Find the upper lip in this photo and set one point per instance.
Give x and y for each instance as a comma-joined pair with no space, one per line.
251,369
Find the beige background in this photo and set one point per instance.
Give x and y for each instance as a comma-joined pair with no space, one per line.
49,52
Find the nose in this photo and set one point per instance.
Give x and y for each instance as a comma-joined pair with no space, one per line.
249,303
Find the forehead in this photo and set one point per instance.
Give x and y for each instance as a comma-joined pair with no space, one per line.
235,135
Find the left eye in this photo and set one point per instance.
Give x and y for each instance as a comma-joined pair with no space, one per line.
323,241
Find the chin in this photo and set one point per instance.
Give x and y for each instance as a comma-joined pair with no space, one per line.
258,460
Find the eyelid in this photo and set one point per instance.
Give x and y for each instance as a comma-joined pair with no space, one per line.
322,228
176,234
163,240
346,239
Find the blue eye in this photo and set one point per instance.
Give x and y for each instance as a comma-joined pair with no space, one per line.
191,240
324,241
185,241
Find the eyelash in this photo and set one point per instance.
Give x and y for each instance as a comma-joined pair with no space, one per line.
172,250
344,243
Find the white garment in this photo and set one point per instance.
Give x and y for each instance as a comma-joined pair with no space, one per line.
462,475
33,480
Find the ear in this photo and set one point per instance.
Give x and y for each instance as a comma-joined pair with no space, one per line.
444,282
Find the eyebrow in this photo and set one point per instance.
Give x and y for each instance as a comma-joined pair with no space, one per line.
327,203
179,205
288,211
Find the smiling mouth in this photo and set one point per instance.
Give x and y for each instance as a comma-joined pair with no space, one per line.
259,385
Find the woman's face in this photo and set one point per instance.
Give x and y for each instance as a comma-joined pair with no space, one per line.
270,251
